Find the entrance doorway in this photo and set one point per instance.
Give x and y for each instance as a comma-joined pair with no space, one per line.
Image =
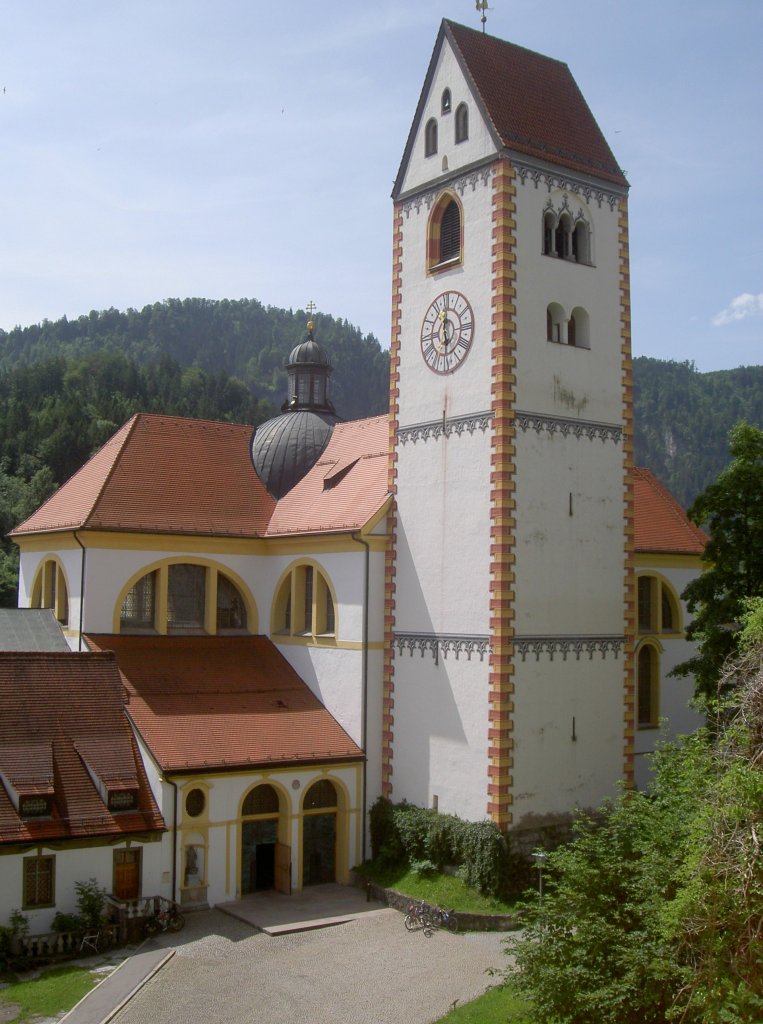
126,874
319,834
262,856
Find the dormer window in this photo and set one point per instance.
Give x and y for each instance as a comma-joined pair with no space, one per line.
430,137
462,122
123,800
35,806
445,107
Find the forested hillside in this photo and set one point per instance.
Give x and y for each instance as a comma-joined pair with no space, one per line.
66,386
683,418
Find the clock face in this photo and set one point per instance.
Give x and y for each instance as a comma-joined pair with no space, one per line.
446,332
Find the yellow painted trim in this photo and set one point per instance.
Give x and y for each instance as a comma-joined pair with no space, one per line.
46,542
44,587
673,596
322,543
374,521
210,611
669,561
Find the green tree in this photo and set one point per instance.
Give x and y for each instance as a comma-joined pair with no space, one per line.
653,913
731,510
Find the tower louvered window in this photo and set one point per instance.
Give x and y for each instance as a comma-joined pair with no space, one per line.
450,233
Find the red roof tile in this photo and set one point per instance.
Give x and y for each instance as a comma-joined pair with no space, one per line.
531,101
345,488
661,525
217,703
63,731
163,474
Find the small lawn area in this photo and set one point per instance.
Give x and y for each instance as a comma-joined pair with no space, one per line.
497,1006
439,889
54,992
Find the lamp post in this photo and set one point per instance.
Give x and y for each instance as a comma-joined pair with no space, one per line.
539,856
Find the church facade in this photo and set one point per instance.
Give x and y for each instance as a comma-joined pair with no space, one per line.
438,605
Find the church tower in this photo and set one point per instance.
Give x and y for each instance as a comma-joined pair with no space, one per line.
509,613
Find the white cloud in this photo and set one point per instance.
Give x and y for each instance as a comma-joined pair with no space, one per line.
739,309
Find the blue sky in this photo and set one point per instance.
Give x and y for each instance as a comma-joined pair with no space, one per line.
171,148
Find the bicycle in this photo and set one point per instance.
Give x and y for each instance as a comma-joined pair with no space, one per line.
419,916
166,919
445,919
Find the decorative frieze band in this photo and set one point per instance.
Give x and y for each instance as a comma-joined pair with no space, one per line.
461,184
565,645
442,643
559,179
445,427
457,643
565,427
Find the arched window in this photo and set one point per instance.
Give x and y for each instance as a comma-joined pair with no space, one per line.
462,122
658,610
197,599
563,237
321,794
261,800
430,137
445,234
445,104
581,242
555,324
50,591
648,686
549,228
578,328
304,605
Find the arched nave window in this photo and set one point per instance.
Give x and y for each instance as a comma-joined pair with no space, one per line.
648,685
49,590
658,607
185,597
304,605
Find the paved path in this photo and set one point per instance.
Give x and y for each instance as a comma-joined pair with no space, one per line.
366,971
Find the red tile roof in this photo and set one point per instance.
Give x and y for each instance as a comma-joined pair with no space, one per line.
219,703
532,102
62,731
163,474
345,488
661,525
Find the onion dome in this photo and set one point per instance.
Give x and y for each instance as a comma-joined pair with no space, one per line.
285,448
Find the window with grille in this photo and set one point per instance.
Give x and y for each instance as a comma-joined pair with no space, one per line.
139,605
185,597
261,800
231,610
39,881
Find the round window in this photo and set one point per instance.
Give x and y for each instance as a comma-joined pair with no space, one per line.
195,803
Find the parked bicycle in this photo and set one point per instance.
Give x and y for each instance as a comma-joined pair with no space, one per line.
419,917
167,918
444,919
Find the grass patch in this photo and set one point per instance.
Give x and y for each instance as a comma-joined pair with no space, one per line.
497,1006
53,993
442,890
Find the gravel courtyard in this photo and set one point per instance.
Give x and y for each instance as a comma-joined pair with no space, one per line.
366,971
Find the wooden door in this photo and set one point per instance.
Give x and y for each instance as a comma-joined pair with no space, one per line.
283,869
126,874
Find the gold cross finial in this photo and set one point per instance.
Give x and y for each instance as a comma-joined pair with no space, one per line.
311,307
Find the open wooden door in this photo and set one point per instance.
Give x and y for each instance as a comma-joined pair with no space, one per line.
283,869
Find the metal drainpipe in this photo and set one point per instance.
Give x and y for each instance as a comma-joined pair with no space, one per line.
364,692
174,837
81,591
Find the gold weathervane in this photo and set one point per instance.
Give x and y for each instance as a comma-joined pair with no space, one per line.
481,5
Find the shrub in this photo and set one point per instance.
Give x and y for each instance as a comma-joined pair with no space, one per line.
91,900
67,923
423,868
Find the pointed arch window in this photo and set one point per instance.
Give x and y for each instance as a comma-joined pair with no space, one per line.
462,122
430,137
